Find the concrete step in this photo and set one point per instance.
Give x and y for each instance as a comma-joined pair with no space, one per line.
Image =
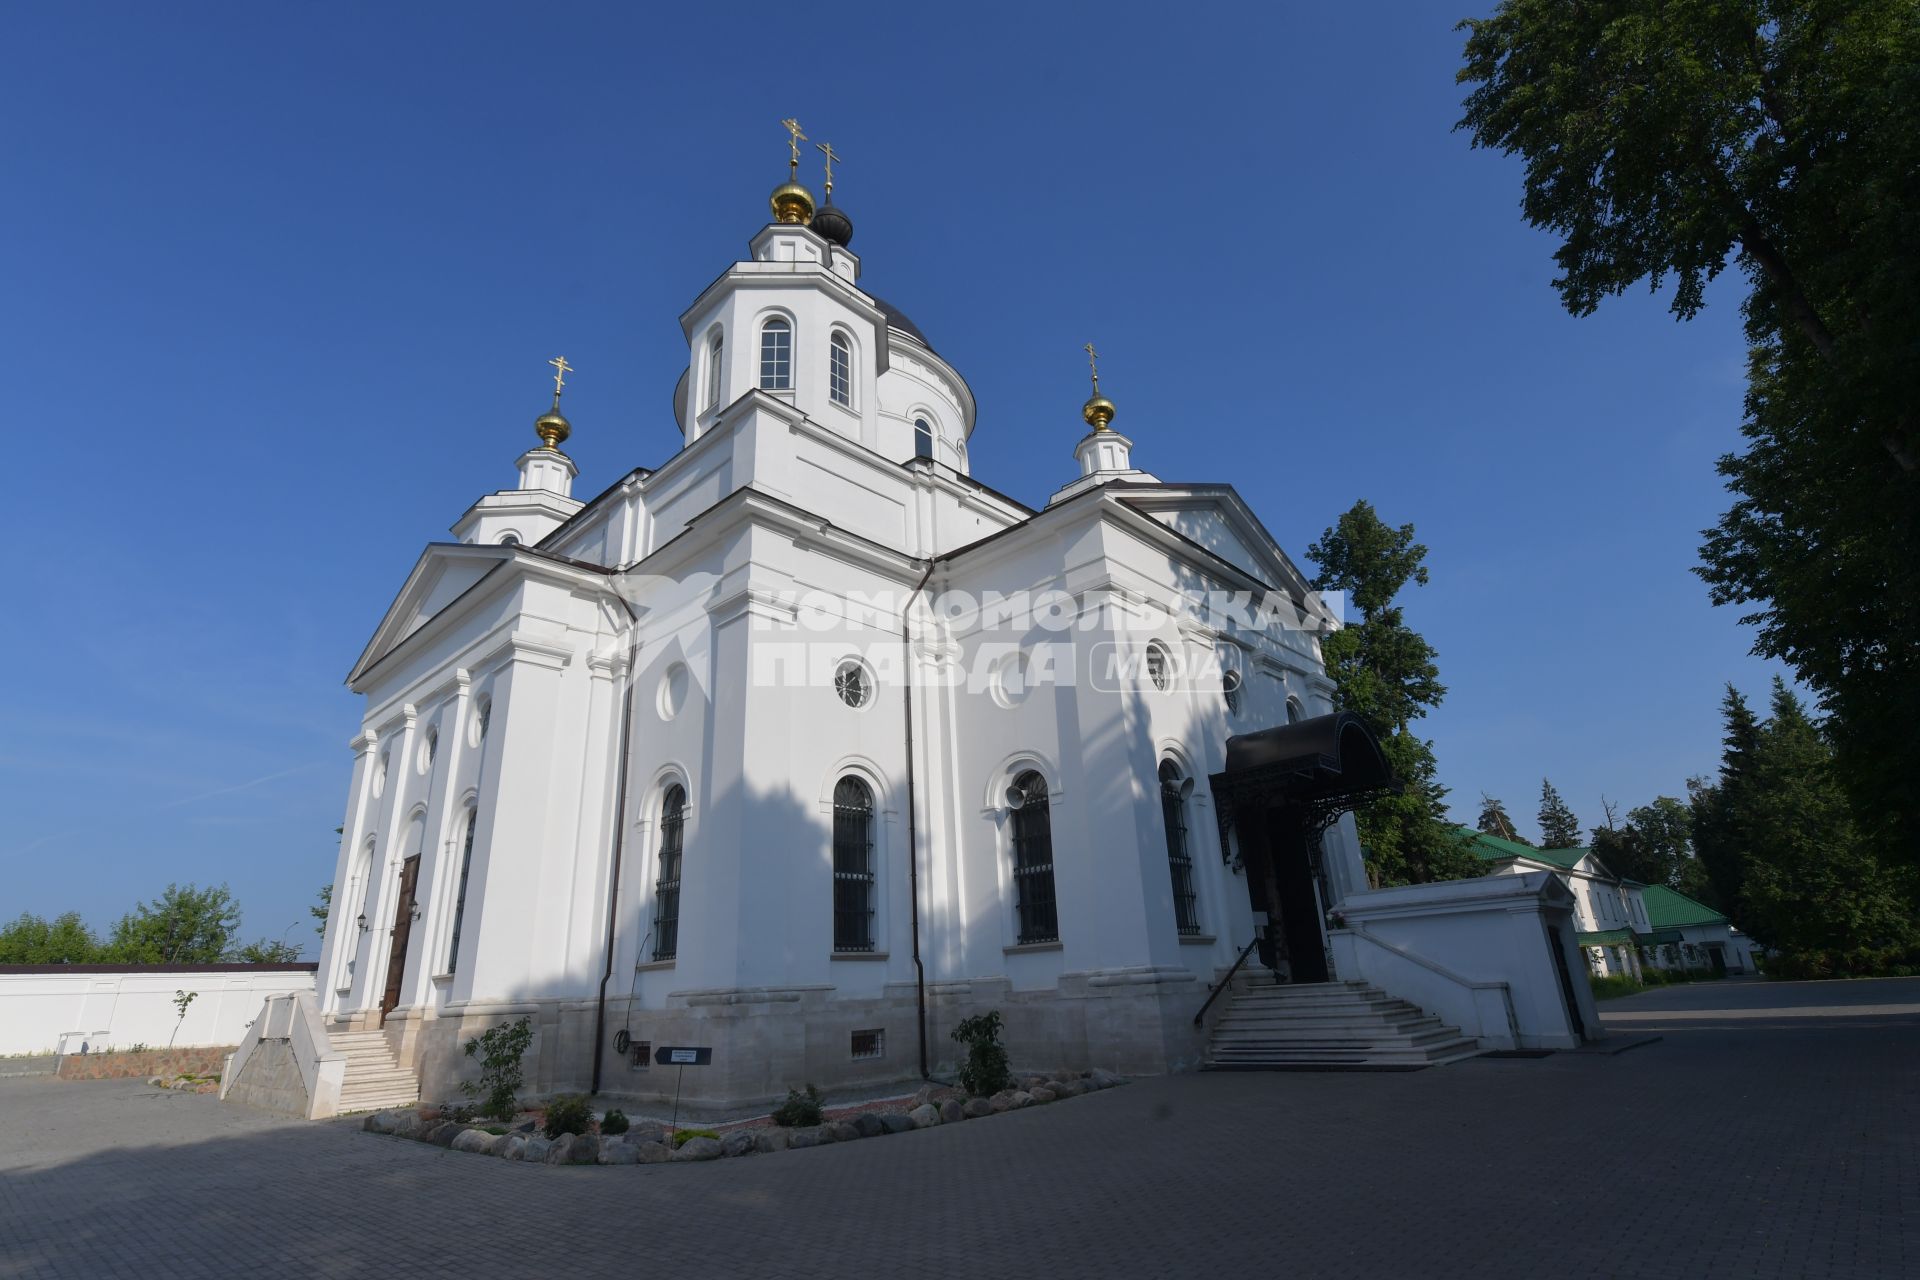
1329,1026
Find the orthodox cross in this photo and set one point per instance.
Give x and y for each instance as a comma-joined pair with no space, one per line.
792,126
1093,363
560,371
826,148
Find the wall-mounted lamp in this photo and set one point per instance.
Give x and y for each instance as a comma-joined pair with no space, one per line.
361,920
413,910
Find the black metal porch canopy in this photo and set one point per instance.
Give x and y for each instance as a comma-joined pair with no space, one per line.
1320,768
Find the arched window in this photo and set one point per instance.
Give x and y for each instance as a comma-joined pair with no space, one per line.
460,894
1033,861
1230,691
666,889
1295,713
852,866
922,439
1173,811
716,350
840,369
776,355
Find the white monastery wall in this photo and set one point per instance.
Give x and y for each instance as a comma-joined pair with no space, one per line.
105,1008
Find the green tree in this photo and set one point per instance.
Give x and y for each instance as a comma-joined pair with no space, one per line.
1722,822
1662,139
320,912
1385,672
32,939
1813,886
268,952
1495,822
1653,846
1559,828
185,925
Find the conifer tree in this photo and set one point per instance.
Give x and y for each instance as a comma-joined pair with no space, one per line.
1495,822
1559,829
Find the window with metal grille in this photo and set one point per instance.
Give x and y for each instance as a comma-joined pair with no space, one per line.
1157,665
1173,809
1033,861
715,351
869,1044
850,683
852,866
922,439
666,889
776,356
460,895
640,1055
840,369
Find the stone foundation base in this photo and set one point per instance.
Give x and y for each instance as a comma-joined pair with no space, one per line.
770,1039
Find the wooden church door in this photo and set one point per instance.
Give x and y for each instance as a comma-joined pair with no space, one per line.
402,930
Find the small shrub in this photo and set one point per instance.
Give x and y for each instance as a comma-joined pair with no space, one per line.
497,1130
1613,985
685,1136
500,1050
799,1110
985,1071
459,1114
140,1047
568,1113
613,1122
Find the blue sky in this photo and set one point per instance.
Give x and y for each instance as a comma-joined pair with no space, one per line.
280,281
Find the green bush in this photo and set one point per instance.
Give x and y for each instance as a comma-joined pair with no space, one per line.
500,1050
985,1072
685,1136
799,1110
1613,986
613,1122
568,1113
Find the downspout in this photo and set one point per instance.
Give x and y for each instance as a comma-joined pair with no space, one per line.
913,843
619,831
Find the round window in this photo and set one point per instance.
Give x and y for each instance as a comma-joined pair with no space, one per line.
428,748
1157,666
1009,685
380,771
852,684
477,730
1230,691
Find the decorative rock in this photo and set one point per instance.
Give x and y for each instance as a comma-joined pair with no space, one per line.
698,1149
381,1122
768,1140
1043,1093
528,1128
510,1146
1020,1098
617,1153
924,1116
869,1125
975,1108
1001,1101
443,1134
475,1141
536,1150
842,1131
935,1093
645,1133
561,1152
738,1143
1100,1078
409,1125
1069,1088
800,1139
896,1121
951,1112
585,1149
651,1153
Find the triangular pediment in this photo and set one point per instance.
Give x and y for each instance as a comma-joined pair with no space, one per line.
1218,519
445,572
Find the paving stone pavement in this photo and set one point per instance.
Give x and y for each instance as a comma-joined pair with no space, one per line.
1770,1132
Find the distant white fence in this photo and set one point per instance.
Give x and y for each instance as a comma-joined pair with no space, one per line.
58,1008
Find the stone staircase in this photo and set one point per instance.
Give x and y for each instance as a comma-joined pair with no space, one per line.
374,1080
1329,1026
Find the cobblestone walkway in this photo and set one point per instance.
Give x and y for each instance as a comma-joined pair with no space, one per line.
1769,1132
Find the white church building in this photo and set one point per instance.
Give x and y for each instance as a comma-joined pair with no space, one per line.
805,744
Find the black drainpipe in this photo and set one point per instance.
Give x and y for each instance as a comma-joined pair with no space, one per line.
619,832
913,844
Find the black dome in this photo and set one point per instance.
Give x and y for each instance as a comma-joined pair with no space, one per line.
897,319
831,222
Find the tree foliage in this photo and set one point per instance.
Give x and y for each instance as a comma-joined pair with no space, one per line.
321,909
1776,834
1494,821
1385,672
32,939
1663,138
1654,845
184,925
1559,828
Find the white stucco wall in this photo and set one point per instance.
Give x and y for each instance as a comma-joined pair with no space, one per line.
107,1008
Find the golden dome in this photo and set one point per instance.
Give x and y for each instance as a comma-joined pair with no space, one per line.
1098,411
552,428
792,203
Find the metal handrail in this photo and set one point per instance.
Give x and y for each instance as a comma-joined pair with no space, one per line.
1213,992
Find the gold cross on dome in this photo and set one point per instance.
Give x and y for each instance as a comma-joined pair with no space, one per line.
792,126
826,149
1093,363
560,371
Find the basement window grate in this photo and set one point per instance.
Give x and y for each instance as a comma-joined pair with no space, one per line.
869,1044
